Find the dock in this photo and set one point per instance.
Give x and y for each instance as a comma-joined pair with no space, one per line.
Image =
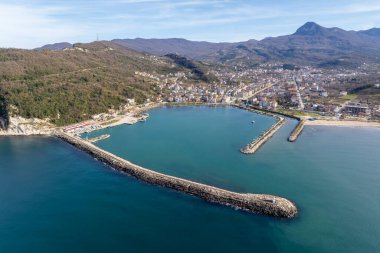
264,204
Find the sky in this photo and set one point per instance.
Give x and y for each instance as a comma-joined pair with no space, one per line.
33,23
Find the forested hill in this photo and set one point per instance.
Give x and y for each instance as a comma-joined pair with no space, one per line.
69,86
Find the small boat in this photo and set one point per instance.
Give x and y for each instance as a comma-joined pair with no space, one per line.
253,121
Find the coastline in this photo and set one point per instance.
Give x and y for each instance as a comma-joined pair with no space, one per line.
15,135
34,132
343,123
125,117
19,126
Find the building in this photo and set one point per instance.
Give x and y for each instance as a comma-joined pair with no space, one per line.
323,93
357,108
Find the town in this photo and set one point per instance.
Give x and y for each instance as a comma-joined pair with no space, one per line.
301,92
305,90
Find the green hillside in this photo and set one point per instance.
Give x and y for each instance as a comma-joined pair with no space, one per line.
69,86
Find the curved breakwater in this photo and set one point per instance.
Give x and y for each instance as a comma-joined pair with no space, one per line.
257,203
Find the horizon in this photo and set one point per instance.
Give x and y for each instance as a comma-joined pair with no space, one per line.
32,24
174,38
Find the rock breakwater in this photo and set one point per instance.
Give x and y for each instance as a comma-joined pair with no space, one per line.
260,140
257,203
297,130
252,147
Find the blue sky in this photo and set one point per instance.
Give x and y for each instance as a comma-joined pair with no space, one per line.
31,23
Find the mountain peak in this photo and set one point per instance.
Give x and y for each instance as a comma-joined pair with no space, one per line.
309,28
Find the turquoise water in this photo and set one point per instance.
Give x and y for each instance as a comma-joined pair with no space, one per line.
54,198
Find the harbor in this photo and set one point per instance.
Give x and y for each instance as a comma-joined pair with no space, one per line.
129,116
124,204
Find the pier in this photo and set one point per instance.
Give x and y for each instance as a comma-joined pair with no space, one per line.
256,203
297,130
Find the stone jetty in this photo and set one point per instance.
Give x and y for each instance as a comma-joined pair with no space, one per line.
257,203
252,147
297,130
264,137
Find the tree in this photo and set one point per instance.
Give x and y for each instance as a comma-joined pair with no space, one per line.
4,116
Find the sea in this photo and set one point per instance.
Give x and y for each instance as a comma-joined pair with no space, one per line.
55,198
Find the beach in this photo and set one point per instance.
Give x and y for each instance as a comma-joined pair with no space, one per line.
342,123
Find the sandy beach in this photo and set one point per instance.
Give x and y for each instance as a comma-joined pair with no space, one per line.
342,123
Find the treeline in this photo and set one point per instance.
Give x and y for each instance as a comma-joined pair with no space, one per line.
196,68
360,88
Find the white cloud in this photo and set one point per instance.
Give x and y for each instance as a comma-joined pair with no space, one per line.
27,25
361,8
23,25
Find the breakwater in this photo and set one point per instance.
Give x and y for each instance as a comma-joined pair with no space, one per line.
257,203
253,146
297,131
263,138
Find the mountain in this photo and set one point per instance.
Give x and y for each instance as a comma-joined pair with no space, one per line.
310,44
71,85
371,32
310,29
190,49
317,45
56,46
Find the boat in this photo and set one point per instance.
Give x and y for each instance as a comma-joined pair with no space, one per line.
144,117
99,138
253,121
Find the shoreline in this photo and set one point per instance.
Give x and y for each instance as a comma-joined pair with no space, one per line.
26,135
125,119
129,118
343,123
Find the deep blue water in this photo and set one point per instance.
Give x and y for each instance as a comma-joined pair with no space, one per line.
54,198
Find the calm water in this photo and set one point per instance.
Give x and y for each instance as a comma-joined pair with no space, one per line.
54,198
